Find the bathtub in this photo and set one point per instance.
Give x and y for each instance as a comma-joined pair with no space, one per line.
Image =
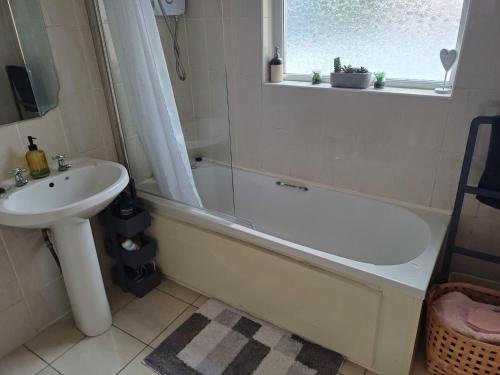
345,270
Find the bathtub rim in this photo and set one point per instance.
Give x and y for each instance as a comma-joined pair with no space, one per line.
411,278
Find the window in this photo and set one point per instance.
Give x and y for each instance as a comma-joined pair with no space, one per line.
400,37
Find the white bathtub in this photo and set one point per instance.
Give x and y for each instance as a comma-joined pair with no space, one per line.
378,258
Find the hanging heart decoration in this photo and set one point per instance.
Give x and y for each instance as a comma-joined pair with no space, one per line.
448,58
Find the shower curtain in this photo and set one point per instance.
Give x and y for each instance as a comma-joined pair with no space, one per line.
150,96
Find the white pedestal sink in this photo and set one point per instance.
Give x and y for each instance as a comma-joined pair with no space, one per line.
64,202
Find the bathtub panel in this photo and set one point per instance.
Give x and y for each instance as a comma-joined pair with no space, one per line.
341,314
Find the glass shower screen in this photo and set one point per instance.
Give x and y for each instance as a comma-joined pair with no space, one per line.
201,100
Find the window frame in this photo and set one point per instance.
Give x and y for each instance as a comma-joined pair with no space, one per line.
279,37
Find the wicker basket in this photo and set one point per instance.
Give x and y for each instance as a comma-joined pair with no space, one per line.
449,352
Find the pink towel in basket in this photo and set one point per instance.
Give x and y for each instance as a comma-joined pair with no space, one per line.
476,320
484,320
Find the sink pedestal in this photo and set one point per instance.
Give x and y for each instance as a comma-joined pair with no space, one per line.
82,275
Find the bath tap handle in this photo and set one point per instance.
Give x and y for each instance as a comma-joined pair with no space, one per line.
18,176
286,184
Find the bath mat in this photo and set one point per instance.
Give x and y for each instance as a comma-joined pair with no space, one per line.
219,340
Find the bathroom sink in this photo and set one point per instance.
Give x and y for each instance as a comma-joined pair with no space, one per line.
63,202
81,192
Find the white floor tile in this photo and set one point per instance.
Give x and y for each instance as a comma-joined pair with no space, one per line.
145,318
55,340
349,368
48,371
173,326
178,291
21,362
136,367
117,298
104,355
200,301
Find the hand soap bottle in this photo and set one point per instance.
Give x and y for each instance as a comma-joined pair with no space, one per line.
37,162
276,67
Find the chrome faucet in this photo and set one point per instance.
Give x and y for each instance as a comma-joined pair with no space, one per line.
18,176
63,165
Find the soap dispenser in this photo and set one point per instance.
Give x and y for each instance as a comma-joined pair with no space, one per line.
37,162
276,67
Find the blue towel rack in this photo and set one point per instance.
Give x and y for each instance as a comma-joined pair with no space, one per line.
464,188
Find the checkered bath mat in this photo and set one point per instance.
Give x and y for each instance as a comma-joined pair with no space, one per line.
219,340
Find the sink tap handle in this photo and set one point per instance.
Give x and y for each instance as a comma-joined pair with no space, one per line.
63,165
18,176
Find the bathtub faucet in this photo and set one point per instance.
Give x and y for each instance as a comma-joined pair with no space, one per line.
286,184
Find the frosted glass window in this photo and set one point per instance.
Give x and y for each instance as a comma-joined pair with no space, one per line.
400,37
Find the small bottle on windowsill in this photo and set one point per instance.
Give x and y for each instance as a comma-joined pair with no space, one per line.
276,67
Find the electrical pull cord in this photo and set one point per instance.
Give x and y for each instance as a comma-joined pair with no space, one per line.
179,68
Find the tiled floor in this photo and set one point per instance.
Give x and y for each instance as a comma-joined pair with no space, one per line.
139,326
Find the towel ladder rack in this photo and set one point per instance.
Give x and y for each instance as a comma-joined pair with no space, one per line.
463,189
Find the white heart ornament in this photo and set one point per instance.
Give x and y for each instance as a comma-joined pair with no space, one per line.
448,58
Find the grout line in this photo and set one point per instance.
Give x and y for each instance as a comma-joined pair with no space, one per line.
125,305
169,324
129,334
36,355
177,298
132,360
67,350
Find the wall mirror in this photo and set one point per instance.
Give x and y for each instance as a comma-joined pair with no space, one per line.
28,81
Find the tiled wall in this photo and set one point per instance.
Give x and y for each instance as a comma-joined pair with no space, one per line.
403,147
32,293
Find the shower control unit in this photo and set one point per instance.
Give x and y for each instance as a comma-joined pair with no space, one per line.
171,7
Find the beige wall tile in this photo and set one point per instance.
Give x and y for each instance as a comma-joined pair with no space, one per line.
67,48
11,150
59,12
10,293
480,47
80,115
49,303
33,262
17,327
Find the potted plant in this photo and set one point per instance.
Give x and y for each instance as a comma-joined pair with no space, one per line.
379,82
349,76
316,78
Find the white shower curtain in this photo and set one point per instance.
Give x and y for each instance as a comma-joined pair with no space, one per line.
150,96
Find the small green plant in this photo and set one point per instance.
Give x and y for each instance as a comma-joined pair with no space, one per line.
379,77
337,66
361,69
352,69
348,69
316,78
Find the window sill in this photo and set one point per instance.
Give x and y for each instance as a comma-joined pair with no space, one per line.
370,90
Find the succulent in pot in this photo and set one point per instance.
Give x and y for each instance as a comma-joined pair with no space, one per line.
379,82
349,76
316,78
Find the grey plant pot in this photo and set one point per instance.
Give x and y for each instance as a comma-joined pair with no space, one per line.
351,80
